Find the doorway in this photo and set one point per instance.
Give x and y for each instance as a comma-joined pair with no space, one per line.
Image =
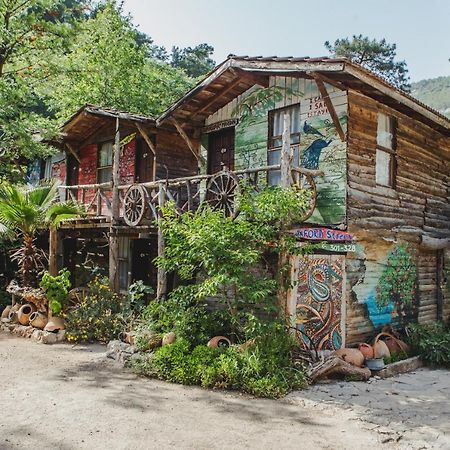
221,150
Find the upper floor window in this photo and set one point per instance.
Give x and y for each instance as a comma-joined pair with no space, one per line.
385,167
276,125
105,159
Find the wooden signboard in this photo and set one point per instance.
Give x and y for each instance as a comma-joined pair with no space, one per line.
336,247
322,234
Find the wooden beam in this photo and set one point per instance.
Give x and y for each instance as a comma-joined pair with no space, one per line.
286,152
188,141
255,78
88,139
324,93
53,252
116,176
73,152
161,287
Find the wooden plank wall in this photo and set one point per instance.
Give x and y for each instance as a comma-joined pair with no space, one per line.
380,217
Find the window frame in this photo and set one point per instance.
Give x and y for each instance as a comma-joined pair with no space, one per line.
392,152
103,168
270,136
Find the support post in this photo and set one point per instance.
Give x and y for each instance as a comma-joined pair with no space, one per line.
286,181
113,238
161,289
53,252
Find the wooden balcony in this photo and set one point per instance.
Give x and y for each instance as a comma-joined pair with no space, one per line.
139,204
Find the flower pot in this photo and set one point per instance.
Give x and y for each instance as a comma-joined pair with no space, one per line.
381,350
375,363
351,355
5,312
219,341
366,350
55,324
169,338
24,313
38,320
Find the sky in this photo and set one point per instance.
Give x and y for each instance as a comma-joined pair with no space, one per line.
420,28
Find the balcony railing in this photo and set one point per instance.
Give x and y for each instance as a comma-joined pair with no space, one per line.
139,203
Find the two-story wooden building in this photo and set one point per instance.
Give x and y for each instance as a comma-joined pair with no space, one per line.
376,160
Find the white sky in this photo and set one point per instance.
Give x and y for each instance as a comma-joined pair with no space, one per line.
420,28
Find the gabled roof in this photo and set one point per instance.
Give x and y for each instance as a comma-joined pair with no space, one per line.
237,74
91,118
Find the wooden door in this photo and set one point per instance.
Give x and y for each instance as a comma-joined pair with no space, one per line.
319,300
144,161
73,167
221,150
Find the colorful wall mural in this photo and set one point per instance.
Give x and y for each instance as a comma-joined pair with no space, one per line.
387,284
319,295
320,146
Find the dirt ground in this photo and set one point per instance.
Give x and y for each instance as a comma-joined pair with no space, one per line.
67,397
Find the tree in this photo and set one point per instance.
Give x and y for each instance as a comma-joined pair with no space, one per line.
109,65
195,61
24,211
377,56
32,35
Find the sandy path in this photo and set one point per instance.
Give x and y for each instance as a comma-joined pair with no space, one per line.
73,398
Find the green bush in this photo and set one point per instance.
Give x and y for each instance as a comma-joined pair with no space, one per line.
56,289
432,342
101,316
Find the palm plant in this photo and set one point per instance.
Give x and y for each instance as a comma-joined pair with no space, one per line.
23,211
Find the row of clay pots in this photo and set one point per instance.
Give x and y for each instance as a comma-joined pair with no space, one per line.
27,315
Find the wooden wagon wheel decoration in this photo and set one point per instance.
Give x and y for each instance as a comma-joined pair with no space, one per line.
134,205
305,182
222,192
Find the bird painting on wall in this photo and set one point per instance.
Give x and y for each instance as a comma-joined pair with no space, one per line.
311,156
309,129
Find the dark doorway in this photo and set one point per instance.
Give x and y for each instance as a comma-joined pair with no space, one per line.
144,161
221,150
144,251
73,167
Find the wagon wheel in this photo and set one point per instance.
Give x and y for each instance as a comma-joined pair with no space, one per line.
305,182
77,295
222,192
135,204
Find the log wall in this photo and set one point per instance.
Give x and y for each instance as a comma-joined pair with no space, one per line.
380,218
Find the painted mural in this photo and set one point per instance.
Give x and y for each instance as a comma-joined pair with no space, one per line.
319,300
320,146
387,286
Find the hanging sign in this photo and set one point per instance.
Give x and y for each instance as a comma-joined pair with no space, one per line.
336,247
322,234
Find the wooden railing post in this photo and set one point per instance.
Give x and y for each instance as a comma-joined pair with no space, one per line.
53,251
161,289
113,238
286,152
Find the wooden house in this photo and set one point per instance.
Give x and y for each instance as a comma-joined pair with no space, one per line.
376,160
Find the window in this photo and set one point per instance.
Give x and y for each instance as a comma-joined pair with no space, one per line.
385,167
104,166
276,123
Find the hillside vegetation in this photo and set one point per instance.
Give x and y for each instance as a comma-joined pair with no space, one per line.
434,92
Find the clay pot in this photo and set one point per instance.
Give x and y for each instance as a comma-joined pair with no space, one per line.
392,345
351,355
6,311
381,350
25,312
12,316
366,350
55,324
219,341
127,337
169,338
38,320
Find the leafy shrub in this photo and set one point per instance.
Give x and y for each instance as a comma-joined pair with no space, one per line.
101,316
432,342
56,289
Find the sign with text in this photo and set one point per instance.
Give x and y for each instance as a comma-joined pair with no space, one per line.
322,234
336,247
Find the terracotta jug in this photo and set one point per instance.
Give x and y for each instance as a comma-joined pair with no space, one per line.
366,350
38,319
351,355
219,341
12,316
25,312
381,350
